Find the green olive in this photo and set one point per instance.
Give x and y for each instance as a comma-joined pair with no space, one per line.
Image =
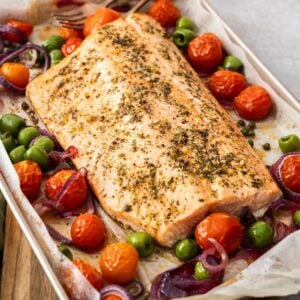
17,154
53,42
65,251
37,155
232,63
297,218
26,135
186,249
200,272
142,242
186,23
56,56
183,36
45,143
289,143
12,124
8,142
260,234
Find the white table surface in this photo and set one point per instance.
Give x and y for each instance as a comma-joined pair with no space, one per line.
271,29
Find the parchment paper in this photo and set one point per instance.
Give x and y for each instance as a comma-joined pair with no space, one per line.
275,273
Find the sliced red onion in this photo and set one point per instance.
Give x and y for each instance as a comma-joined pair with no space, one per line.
180,282
90,203
59,156
6,83
115,290
40,208
135,288
65,188
275,171
1,44
29,58
281,230
57,236
217,250
227,104
283,204
4,28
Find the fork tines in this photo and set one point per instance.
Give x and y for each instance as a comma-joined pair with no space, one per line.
74,18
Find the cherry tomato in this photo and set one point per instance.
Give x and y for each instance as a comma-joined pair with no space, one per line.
76,193
112,297
90,273
88,231
30,176
290,172
118,263
26,28
71,45
225,84
164,12
253,103
67,33
16,73
224,228
103,16
205,52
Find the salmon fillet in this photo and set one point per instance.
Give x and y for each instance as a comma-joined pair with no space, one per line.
161,153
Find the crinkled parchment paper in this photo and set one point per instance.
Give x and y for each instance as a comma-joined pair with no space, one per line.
274,274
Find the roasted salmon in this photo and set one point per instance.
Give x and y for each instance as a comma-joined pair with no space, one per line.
161,153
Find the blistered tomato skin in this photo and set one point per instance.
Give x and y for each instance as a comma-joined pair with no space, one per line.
224,228
30,176
290,172
88,231
164,12
205,52
90,273
225,84
253,103
76,194
118,263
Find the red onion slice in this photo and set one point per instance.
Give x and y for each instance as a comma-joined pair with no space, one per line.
249,255
4,28
115,290
281,230
90,203
1,44
57,236
10,57
275,171
59,156
29,58
57,202
180,282
135,288
219,250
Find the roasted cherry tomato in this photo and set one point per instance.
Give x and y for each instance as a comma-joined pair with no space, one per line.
71,45
205,52
90,273
290,172
24,27
253,103
118,263
16,73
103,16
67,33
225,84
30,176
224,228
88,231
164,12
76,193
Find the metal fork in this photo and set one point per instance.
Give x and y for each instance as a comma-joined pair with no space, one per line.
74,18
